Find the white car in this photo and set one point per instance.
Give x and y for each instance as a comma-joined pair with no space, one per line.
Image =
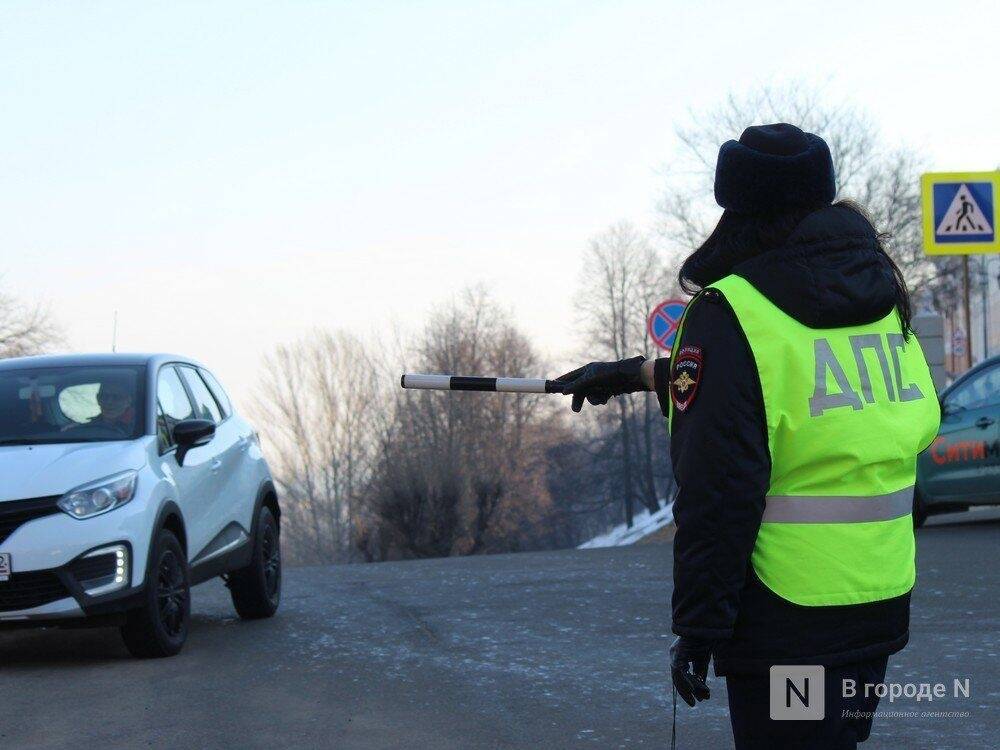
124,480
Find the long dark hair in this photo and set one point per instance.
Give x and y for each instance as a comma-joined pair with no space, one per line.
739,237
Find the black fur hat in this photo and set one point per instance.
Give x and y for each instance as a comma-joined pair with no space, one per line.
773,169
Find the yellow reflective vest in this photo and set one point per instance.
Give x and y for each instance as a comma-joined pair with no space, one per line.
847,411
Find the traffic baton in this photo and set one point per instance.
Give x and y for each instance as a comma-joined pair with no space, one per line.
469,383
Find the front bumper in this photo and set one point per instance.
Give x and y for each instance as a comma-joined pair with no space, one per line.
52,563
76,590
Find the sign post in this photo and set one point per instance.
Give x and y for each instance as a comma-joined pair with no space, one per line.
968,315
960,218
664,321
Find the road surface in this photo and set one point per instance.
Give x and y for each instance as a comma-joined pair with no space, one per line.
551,650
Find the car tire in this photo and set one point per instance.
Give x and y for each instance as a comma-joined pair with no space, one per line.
919,510
159,627
256,589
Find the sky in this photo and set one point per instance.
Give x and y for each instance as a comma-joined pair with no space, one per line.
229,176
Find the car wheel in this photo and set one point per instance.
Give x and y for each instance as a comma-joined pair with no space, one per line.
919,510
256,589
160,626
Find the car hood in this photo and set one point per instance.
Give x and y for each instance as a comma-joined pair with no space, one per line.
28,471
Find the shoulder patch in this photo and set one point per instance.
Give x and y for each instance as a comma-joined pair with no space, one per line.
686,376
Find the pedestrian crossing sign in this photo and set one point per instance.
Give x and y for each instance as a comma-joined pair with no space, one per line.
960,212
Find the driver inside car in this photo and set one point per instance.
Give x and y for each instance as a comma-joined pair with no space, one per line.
117,409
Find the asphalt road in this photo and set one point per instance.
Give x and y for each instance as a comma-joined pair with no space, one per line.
552,650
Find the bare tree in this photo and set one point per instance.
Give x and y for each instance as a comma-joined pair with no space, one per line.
24,328
884,180
369,471
460,473
317,405
623,279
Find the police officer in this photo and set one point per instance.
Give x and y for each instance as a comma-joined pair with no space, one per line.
797,401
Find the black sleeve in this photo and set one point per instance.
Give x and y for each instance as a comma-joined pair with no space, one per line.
661,382
722,466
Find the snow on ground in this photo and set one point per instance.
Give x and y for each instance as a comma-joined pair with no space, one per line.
642,524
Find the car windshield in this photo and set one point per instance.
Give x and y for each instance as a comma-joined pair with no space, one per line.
71,404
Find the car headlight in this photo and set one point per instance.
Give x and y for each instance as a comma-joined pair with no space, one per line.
100,496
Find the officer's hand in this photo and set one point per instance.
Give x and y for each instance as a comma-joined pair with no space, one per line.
597,382
689,659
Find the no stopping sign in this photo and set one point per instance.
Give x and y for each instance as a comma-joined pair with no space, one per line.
664,321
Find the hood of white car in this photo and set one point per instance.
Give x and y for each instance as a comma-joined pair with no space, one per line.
28,471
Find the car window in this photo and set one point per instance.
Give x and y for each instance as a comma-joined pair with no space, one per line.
163,436
218,391
71,404
204,402
173,404
983,389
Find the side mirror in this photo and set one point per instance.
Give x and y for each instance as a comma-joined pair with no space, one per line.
950,409
191,433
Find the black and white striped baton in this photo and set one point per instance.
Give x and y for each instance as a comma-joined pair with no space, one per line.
468,383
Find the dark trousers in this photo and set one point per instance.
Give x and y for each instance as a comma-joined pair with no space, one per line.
753,729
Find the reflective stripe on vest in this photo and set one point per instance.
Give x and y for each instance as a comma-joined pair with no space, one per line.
837,509
847,411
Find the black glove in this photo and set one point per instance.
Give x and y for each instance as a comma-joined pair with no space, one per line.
597,382
689,659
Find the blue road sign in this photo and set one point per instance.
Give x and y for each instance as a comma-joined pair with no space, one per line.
664,322
960,212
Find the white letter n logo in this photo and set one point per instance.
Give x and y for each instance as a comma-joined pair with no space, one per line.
797,692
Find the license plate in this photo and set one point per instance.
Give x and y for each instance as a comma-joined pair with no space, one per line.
4,566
